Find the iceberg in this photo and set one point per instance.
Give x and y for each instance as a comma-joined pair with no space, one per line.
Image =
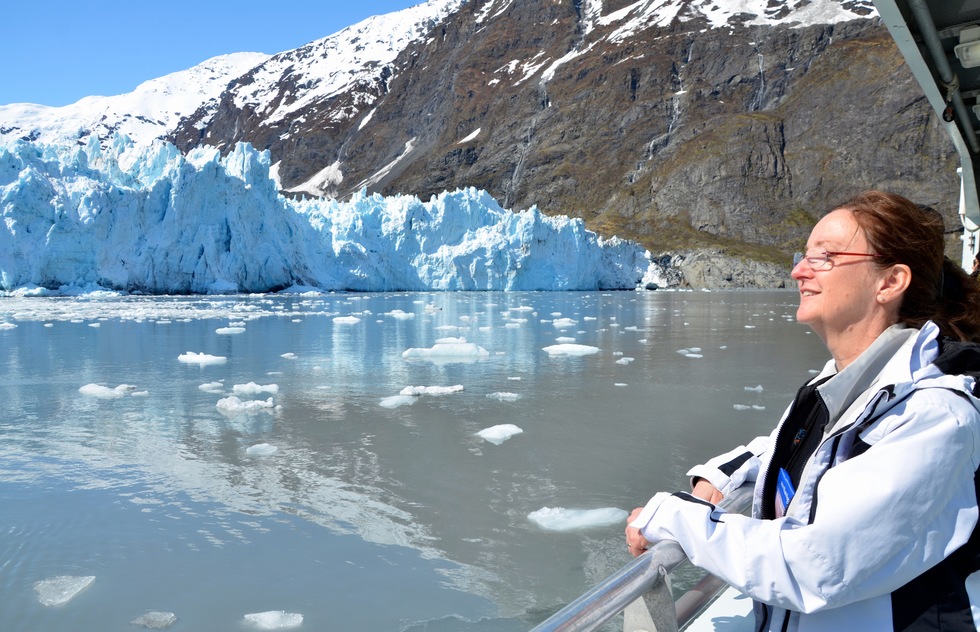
147,218
59,590
561,519
500,433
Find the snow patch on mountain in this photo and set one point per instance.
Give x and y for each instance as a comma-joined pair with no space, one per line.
150,111
338,63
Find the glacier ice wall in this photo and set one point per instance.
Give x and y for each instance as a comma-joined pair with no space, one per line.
149,219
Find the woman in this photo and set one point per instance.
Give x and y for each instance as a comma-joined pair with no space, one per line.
865,513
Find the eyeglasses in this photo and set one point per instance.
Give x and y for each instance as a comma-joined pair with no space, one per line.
823,260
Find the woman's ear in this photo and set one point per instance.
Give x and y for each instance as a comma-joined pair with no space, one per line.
894,282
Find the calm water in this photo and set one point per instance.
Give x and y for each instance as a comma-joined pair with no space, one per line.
365,517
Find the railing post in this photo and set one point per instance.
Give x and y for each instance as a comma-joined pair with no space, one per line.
654,611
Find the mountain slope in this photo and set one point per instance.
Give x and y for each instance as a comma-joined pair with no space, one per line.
685,124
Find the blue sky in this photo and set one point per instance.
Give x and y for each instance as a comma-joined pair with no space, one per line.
56,52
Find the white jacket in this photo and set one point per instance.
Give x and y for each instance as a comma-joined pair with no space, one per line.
882,531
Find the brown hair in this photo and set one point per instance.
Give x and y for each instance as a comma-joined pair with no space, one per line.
904,232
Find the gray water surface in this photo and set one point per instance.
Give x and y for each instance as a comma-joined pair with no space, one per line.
364,517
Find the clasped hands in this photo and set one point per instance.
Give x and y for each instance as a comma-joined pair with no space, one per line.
635,541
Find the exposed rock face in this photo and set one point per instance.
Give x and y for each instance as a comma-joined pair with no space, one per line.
678,135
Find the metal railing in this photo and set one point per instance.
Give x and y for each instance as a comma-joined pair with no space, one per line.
641,589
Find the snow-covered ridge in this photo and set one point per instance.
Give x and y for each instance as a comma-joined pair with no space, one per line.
357,56
338,63
149,219
150,111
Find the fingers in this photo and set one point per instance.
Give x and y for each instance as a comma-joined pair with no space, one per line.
635,542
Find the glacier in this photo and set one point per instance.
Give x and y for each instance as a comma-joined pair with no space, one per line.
141,218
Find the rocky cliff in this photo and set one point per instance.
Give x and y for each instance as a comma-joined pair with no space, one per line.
678,132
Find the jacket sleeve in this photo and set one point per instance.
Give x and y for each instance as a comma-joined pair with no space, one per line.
734,468
882,519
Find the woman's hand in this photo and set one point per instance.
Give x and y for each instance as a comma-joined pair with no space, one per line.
706,491
634,539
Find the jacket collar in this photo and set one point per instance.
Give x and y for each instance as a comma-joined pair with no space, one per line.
887,361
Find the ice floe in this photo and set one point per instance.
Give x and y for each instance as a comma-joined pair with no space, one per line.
504,397
274,620
254,389
202,359
500,433
561,519
229,331
234,406
346,320
398,400
104,392
431,390
155,620
61,589
261,449
571,350
447,348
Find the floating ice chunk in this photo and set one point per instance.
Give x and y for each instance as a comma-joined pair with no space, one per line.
498,434
564,340
212,387
561,519
202,359
346,320
289,355
625,360
515,378
95,325
571,350
229,331
233,405
741,407
140,393
758,407
564,323
254,389
431,390
504,397
274,620
61,589
398,400
754,389
620,384
261,449
447,348
4,326
155,620
512,325
104,392
400,315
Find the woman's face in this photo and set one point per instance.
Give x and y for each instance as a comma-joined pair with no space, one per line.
843,299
